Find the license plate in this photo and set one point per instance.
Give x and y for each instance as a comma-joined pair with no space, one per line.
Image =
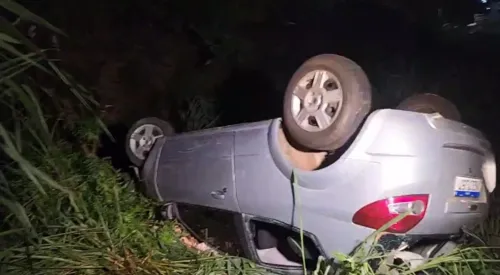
468,187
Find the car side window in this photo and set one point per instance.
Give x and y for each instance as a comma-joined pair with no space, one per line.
213,226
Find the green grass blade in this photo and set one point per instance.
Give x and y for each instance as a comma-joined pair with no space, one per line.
15,52
18,210
8,39
301,226
37,112
25,14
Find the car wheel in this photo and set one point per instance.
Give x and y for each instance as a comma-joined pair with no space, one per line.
326,100
430,103
142,136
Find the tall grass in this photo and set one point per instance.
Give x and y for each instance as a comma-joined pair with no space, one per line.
63,210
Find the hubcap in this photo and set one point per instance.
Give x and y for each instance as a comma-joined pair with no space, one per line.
313,101
317,100
143,138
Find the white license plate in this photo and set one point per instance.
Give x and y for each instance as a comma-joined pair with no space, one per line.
468,187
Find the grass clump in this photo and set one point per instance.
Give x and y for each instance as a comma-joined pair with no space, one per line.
97,226
474,257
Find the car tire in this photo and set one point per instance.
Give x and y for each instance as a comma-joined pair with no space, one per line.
142,136
430,103
323,113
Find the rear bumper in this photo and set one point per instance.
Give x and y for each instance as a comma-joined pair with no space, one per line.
389,242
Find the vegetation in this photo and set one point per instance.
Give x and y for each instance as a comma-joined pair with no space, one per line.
66,211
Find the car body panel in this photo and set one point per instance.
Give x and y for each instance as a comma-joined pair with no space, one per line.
395,153
200,167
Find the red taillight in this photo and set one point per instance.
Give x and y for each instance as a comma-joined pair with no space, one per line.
377,214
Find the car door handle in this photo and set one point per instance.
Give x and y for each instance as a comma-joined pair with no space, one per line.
219,194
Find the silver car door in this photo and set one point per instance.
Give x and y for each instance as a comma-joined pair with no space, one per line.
197,168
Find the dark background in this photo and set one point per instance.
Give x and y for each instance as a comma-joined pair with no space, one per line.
145,58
